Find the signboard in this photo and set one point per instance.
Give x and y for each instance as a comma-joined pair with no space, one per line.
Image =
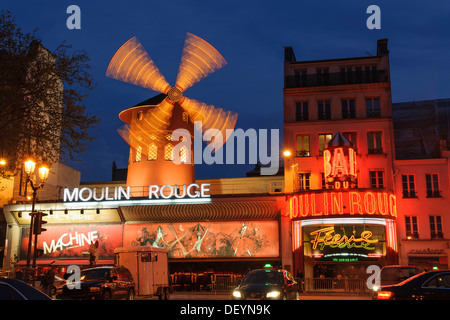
229,239
355,202
89,216
344,243
65,242
119,193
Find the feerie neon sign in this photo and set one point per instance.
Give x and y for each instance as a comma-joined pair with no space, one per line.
326,237
306,205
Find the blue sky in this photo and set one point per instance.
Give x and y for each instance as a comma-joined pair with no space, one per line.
251,36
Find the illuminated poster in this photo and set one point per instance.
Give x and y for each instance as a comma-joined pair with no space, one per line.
73,241
230,239
344,243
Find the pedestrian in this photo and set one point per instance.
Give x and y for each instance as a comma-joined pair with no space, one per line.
19,274
44,284
50,279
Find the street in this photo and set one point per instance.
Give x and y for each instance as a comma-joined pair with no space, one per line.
225,296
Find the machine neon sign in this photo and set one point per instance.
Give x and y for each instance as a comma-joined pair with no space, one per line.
324,237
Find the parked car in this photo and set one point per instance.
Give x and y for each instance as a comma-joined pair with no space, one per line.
264,284
13,289
394,274
103,283
431,285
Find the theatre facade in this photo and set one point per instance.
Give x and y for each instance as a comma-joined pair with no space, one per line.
202,231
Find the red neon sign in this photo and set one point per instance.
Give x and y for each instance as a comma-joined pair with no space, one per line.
339,203
325,237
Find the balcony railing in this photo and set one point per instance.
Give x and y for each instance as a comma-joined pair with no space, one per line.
335,79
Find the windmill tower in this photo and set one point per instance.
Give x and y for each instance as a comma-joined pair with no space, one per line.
149,125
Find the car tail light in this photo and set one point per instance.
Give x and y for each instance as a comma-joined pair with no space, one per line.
384,295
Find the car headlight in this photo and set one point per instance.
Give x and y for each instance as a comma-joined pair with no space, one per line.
94,289
273,294
236,294
375,288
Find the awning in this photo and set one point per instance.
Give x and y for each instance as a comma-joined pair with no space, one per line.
239,210
21,263
63,262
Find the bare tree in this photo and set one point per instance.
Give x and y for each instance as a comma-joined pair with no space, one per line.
41,98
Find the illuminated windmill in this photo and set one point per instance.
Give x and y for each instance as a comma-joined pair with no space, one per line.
149,125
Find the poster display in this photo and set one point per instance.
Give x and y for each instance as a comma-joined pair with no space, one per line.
228,239
72,242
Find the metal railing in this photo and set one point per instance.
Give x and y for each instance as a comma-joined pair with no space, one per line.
343,285
337,78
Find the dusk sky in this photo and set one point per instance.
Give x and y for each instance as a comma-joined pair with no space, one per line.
251,36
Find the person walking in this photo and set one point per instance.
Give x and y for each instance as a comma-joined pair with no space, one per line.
49,279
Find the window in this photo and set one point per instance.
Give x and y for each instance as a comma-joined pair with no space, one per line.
370,73
436,227
347,75
376,179
168,152
324,109
323,76
352,137
323,140
300,78
183,154
138,153
152,152
409,190
432,182
303,146
439,281
373,107
304,181
324,185
374,142
348,108
301,111
411,227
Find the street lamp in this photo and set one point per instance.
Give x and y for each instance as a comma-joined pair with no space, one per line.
29,167
287,153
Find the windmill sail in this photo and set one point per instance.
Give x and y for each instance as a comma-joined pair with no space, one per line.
132,64
199,59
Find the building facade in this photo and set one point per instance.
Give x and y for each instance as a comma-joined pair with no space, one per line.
341,224
365,184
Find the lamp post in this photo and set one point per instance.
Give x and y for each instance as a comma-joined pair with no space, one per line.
287,154
29,167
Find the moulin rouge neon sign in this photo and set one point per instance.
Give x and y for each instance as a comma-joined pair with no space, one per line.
307,205
326,237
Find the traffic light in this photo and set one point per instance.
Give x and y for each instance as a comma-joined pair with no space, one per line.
38,222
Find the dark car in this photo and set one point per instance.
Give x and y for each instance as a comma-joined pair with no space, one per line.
390,275
13,289
103,283
267,284
432,285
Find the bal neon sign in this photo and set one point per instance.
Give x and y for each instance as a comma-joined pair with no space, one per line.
307,205
340,169
326,237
